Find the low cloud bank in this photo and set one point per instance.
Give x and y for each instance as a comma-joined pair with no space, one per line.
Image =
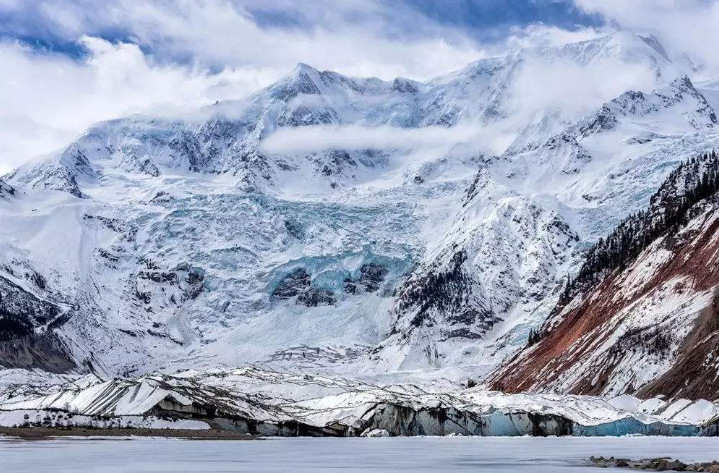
305,140
687,28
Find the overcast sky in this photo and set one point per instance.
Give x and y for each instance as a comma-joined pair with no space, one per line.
69,63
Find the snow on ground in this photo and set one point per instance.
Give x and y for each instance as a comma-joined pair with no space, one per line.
381,455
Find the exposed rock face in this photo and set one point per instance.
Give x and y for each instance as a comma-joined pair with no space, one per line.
315,297
293,284
444,291
168,287
6,190
637,104
371,276
370,279
21,312
298,284
27,323
494,263
44,351
64,173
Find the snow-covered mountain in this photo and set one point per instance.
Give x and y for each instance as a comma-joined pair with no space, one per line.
158,244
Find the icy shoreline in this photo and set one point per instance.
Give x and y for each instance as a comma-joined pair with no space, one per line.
259,402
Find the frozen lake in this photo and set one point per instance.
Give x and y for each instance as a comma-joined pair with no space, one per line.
415,455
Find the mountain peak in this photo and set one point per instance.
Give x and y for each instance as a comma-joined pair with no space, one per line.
623,45
627,41
683,82
302,69
302,80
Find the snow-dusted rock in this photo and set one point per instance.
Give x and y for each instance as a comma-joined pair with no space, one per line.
6,190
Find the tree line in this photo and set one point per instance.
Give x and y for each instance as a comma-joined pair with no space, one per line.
693,181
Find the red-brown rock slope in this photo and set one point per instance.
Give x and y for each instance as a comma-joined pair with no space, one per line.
645,319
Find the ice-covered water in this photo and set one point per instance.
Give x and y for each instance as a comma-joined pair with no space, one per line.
347,455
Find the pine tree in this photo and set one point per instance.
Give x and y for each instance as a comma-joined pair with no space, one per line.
534,337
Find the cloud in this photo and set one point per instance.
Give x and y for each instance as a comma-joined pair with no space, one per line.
562,85
539,35
48,99
369,37
685,27
356,138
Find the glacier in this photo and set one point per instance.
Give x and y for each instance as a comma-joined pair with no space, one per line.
151,245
